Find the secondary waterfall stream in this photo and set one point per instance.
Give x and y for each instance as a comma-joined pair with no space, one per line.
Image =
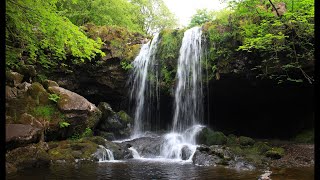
145,89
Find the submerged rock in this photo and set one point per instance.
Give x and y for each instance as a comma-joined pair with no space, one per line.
33,155
146,146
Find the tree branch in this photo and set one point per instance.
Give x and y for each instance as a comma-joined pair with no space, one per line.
274,7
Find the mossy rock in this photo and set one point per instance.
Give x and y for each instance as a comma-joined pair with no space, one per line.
246,141
106,110
13,78
70,150
125,118
33,155
209,137
232,139
275,153
262,147
37,92
97,139
306,136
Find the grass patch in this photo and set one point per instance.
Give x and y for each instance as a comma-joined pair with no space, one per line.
46,112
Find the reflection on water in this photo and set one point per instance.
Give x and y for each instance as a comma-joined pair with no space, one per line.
136,169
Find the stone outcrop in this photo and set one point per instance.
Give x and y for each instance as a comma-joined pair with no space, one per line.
20,135
113,125
30,112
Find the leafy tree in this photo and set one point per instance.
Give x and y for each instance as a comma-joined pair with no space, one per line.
34,30
100,12
202,16
153,15
279,41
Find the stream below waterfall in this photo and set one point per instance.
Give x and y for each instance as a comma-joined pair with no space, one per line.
145,169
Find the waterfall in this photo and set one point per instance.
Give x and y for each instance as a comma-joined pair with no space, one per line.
135,153
188,93
145,89
180,143
104,154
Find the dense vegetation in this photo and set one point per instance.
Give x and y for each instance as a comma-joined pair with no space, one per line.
273,39
49,33
277,44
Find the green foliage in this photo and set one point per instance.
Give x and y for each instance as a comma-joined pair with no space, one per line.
54,97
100,12
117,40
278,47
87,133
167,54
63,124
37,34
153,15
126,65
202,16
46,112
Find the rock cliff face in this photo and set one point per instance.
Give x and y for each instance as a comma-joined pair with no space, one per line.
259,108
104,81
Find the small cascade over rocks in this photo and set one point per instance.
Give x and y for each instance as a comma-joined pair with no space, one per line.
104,154
135,153
145,90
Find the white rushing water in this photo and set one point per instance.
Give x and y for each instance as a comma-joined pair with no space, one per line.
105,154
145,89
181,143
188,93
135,153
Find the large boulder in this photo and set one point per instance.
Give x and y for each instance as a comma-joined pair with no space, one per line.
146,146
20,135
13,78
77,110
208,137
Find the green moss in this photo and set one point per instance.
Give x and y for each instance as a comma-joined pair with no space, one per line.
70,150
124,116
246,141
168,53
97,139
209,137
306,136
275,153
262,147
37,92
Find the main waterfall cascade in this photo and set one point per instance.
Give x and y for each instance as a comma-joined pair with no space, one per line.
180,143
188,94
145,89
188,99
